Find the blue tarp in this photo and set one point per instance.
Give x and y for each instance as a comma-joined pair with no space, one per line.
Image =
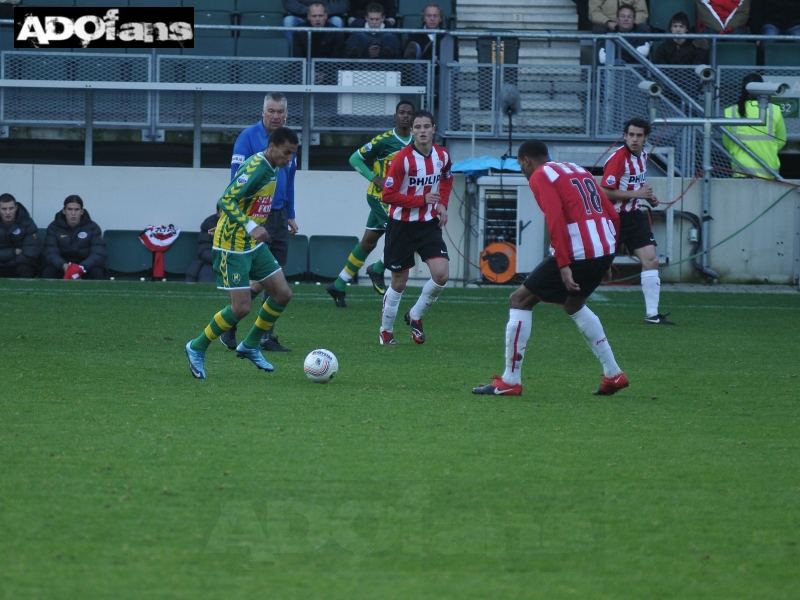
482,164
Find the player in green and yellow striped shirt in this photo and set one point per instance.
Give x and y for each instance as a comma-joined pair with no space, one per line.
379,151
241,254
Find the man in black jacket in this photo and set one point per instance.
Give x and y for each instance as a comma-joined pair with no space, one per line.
420,45
679,50
19,240
202,268
329,44
74,247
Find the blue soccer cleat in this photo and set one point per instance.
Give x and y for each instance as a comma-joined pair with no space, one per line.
196,361
254,356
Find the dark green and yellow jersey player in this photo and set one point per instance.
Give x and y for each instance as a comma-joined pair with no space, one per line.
241,254
379,152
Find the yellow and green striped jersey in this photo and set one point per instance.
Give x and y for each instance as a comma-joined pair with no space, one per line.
380,150
247,198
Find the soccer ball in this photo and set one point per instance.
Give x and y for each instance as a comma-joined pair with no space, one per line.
321,365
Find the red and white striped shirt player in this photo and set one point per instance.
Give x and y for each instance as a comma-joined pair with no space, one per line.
582,222
411,176
627,172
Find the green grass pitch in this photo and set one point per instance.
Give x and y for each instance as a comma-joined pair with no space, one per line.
124,477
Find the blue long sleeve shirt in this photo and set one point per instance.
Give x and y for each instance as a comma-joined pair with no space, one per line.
255,139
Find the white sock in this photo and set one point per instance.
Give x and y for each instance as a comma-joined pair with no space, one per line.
592,330
518,330
345,276
391,300
430,292
651,287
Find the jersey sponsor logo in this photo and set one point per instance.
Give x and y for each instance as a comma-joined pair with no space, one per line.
611,180
260,207
83,235
237,159
423,181
640,178
242,178
389,182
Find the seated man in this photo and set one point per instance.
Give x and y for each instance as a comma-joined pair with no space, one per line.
202,268
626,23
329,44
421,45
357,15
603,15
375,42
778,17
74,247
19,240
679,50
297,10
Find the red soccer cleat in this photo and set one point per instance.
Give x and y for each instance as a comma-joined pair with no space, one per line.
611,385
498,387
417,333
386,338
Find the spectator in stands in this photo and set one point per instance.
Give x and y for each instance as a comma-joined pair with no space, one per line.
420,46
765,141
19,240
626,23
323,45
679,50
722,16
375,42
777,17
603,15
297,12
74,247
202,268
357,15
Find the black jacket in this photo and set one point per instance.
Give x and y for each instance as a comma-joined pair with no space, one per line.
781,13
83,245
205,242
688,53
323,45
425,43
358,8
22,233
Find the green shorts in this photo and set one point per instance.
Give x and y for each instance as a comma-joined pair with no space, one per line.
234,270
378,217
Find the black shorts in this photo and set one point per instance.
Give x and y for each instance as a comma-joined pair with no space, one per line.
636,232
546,284
404,238
278,229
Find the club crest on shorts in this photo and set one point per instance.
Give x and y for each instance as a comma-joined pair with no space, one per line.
236,278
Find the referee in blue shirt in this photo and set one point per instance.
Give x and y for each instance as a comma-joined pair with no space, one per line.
280,224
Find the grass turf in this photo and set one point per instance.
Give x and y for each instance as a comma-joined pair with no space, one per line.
124,477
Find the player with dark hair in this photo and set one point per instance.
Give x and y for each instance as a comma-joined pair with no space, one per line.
583,226
624,176
241,254
417,192
379,151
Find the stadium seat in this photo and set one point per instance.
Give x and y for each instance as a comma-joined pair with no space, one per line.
213,17
161,3
127,255
327,254
51,3
211,46
244,6
782,55
181,254
226,5
661,13
271,47
6,37
296,265
736,53
100,3
261,19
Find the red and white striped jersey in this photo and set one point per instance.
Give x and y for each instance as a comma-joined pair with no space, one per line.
413,175
582,222
626,172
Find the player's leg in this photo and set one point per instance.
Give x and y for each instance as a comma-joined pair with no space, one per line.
228,338
433,251
231,270
588,274
642,243
400,259
279,246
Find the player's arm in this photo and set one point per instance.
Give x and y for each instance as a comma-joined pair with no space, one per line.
609,211
290,214
548,200
229,203
358,163
391,193
446,183
98,252
241,152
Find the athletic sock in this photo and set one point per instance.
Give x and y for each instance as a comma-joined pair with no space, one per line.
592,330
430,293
221,323
518,330
267,315
391,301
265,297
651,287
379,267
355,261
